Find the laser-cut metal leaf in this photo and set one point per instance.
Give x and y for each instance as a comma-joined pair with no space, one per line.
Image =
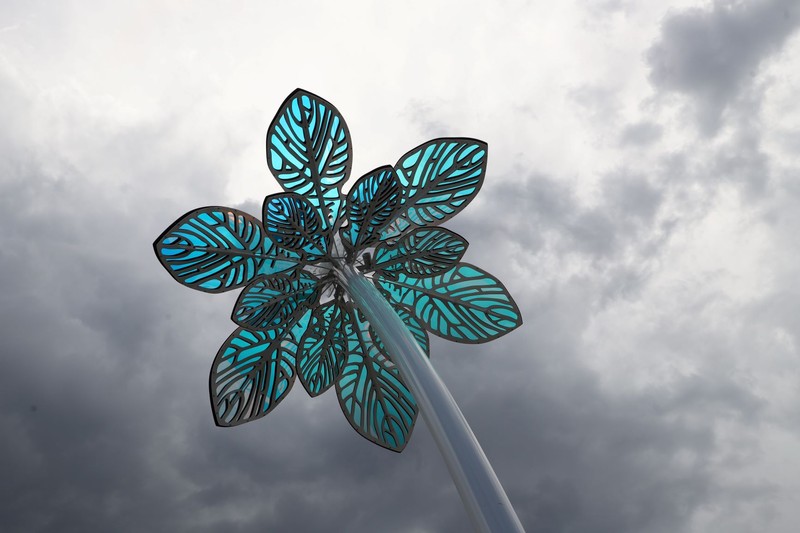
252,372
309,151
323,347
274,301
372,203
293,223
421,253
371,394
212,249
414,326
439,179
464,304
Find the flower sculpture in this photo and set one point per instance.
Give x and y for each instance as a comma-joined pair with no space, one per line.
295,316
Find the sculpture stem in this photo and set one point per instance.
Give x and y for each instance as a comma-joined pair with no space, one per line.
480,490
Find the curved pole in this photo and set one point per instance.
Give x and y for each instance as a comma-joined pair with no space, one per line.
480,490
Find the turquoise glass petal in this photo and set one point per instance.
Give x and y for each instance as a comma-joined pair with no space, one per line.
371,394
309,151
464,304
421,253
439,179
212,249
323,347
274,301
294,225
252,372
372,203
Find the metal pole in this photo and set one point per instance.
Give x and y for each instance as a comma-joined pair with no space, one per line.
480,490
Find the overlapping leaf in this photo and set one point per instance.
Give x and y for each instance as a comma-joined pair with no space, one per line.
413,325
464,304
212,249
323,347
309,151
252,372
274,301
293,223
372,203
372,396
439,179
421,253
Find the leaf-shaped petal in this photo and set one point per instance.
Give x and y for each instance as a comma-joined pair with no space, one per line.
413,325
421,253
372,203
293,223
372,396
323,347
251,374
439,178
212,249
274,301
464,304
309,151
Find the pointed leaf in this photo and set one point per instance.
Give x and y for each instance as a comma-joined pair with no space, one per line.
372,396
212,249
413,325
465,304
323,347
421,253
372,203
309,151
252,372
293,223
439,178
273,301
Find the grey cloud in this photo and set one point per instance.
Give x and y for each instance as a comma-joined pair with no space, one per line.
541,212
741,161
420,114
641,134
631,196
104,393
597,102
713,54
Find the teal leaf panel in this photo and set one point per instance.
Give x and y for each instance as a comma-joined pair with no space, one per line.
252,372
372,203
309,151
323,347
212,249
371,394
464,304
439,179
414,326
421,253
294,225
274,301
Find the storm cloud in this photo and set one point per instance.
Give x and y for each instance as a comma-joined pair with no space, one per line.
653,253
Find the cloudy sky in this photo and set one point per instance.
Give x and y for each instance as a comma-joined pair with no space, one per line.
642,204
